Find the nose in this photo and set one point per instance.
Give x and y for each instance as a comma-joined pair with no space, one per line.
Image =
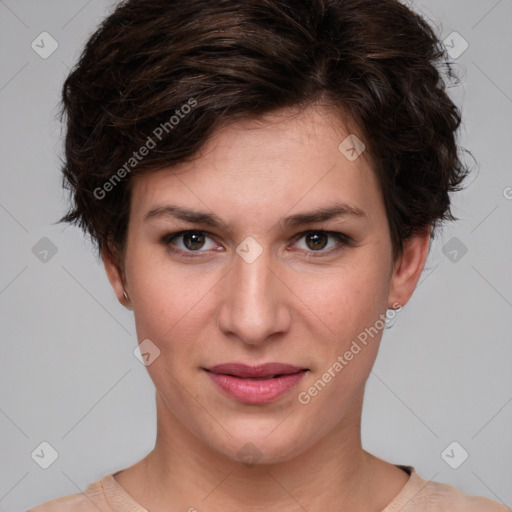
254,305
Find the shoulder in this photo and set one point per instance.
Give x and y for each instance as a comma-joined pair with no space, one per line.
91,500
424,495
445,497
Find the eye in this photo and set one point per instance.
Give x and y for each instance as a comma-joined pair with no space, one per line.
191,241
317,241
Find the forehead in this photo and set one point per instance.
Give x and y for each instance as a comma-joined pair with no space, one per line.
286,161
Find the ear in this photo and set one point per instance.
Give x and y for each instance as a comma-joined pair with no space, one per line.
408,269
115,276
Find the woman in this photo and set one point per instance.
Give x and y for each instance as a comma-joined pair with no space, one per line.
263,180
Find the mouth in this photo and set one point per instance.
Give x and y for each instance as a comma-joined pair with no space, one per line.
262,371
255,384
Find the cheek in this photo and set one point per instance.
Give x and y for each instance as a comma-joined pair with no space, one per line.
352,303
169,304
351,296
155,300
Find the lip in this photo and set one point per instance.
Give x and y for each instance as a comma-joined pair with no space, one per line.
255,384
248,371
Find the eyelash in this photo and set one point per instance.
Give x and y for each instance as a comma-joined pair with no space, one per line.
342,239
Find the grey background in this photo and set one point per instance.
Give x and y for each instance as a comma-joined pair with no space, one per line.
69,376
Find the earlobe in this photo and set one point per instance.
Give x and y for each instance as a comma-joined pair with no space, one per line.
115,277
408,269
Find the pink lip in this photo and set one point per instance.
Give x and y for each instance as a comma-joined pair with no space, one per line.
255,384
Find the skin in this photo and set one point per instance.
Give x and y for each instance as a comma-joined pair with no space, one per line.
297,303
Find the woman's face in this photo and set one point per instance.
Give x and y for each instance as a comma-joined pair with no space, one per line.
263,284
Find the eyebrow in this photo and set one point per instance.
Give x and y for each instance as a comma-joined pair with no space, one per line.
210,219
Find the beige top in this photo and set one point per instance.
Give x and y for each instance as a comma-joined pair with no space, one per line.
418,495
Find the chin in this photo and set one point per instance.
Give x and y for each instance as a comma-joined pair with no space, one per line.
265,442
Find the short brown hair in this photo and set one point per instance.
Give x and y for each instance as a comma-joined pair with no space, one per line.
188,67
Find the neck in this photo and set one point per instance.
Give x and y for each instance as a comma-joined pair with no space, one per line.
186,474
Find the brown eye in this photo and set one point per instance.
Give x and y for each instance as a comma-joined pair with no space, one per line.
193,240
316,240
320,243
189,242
